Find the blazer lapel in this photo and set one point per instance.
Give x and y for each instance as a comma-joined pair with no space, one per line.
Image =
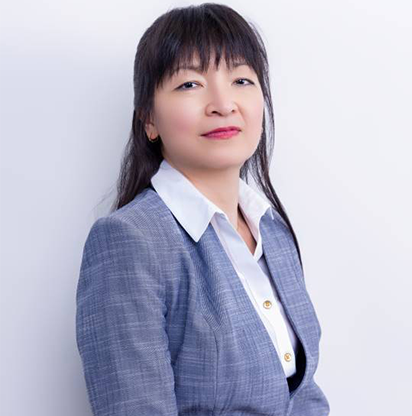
283,264
223,280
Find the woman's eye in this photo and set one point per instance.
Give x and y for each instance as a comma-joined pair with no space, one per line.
192,82
188,82
248,80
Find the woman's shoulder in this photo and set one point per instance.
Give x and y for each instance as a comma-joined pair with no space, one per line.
141,211
145,217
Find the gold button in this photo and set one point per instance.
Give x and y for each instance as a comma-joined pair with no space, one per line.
267,304
287,357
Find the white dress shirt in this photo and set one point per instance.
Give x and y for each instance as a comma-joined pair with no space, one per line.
194,211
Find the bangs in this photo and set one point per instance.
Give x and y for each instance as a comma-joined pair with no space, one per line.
198,33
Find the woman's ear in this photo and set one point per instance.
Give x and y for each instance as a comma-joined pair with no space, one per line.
151,130
149,126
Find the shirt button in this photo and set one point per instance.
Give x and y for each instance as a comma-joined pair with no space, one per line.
267,304
287,357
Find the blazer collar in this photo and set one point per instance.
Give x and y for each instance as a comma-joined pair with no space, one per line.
194,210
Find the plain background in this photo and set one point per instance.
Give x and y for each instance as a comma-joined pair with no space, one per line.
341,85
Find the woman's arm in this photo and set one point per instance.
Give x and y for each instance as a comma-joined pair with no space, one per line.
120,324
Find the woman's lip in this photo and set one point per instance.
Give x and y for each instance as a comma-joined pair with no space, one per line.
220,135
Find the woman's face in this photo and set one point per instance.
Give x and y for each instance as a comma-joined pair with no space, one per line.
190,104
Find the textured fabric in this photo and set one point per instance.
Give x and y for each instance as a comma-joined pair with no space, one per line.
194,211
165,327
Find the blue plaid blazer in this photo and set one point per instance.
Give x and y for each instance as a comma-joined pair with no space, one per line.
164,326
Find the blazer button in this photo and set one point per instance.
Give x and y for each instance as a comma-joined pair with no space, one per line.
267,304
287,357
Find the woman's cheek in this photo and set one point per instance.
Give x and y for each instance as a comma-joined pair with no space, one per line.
185,121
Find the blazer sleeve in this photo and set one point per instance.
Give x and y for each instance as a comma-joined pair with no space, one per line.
120,324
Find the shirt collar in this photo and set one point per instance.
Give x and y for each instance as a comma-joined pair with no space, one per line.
194,210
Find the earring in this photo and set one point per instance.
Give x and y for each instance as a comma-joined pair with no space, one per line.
154,140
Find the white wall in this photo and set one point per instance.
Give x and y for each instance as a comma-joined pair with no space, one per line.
342,89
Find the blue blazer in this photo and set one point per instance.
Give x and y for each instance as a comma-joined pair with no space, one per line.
164,326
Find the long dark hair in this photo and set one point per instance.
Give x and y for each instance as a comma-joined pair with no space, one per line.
171,40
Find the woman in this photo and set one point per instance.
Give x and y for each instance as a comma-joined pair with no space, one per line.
191,297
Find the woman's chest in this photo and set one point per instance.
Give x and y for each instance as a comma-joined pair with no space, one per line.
217,341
